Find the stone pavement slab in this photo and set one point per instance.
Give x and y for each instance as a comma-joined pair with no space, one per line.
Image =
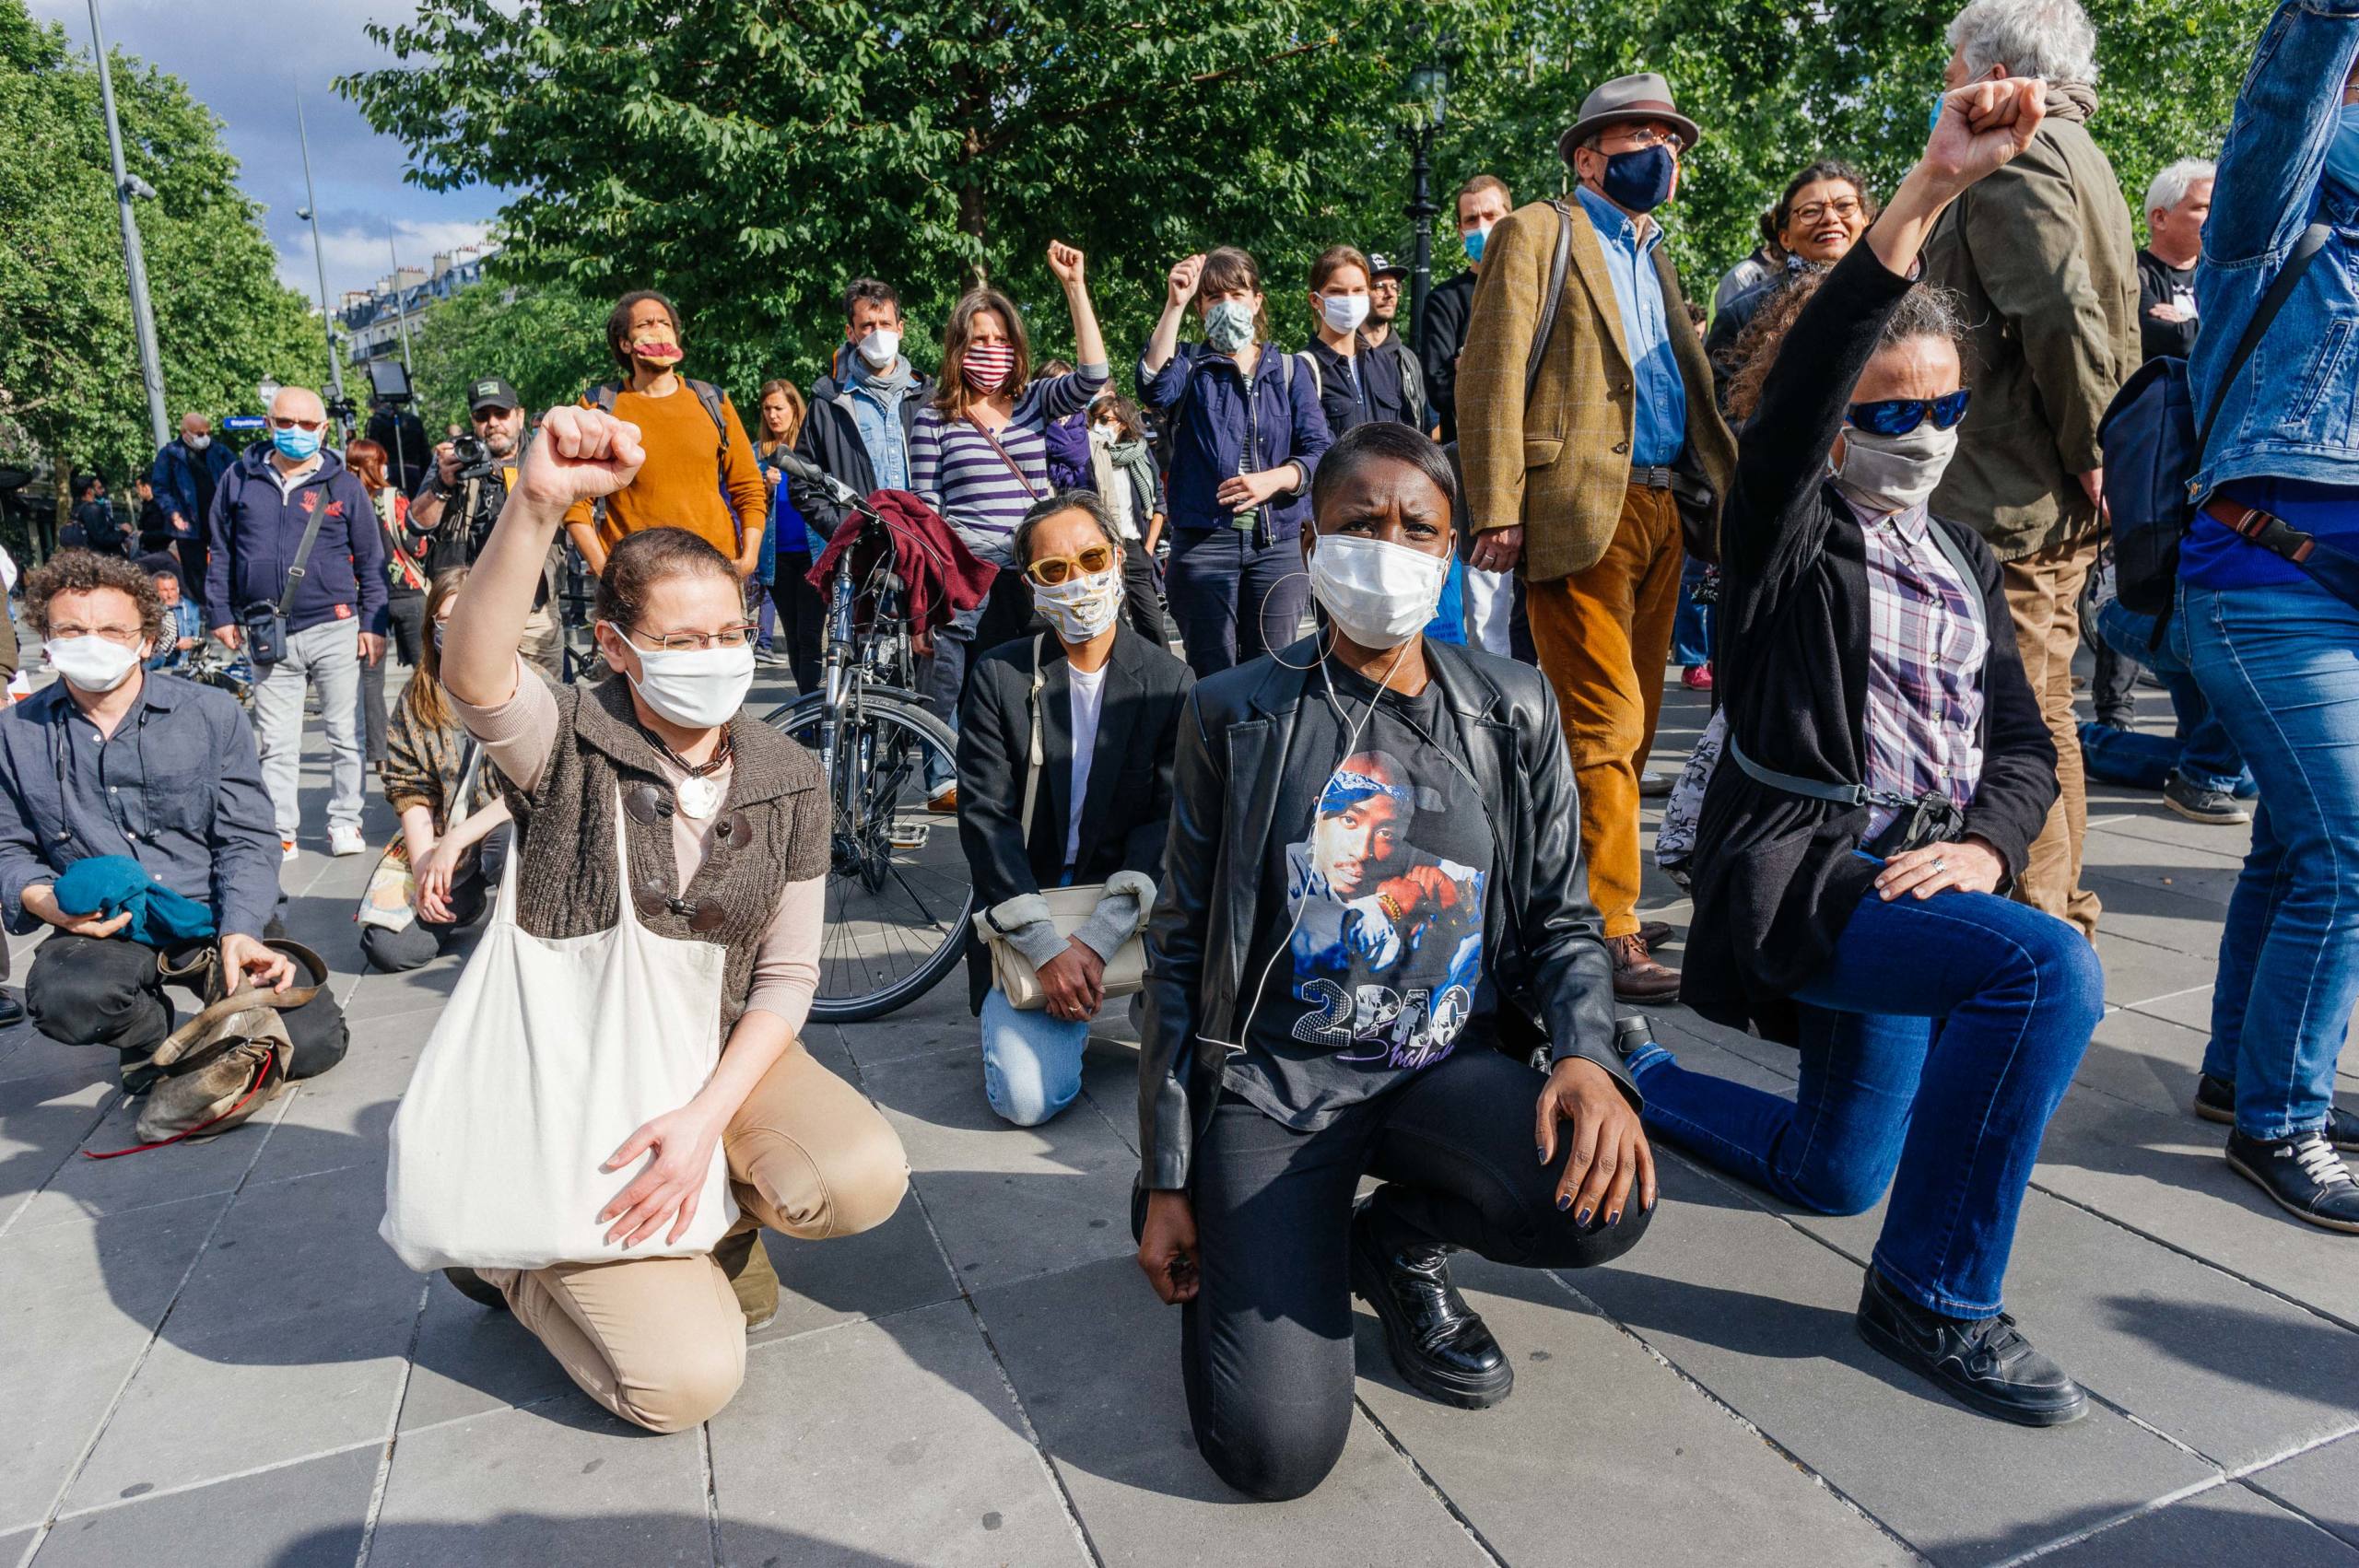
898,1436
302,1515
2322,1484
2222,1524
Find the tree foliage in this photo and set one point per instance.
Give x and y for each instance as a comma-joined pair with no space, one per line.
69,373
547,340
749,157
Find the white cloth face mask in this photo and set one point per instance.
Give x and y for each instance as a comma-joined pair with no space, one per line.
1378,594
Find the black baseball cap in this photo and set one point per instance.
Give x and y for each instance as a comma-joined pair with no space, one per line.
491,392
1382,265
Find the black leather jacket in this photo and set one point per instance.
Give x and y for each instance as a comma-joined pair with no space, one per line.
1543,954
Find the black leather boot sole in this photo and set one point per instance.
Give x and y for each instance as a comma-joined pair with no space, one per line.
2215,1100
1372,1276
475,1287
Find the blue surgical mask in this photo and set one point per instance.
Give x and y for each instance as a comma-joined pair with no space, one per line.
2342,153
1473,244
296,446
1933,117
1229,326
1640,181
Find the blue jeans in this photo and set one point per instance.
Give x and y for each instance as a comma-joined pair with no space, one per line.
2281,666
2207,756
1691,628
1934,1047
1031,1061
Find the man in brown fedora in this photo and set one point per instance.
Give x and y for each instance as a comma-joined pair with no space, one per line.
1571,455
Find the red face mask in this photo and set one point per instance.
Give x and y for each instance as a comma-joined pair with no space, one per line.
987,366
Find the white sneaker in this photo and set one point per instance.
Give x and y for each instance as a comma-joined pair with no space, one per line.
345,839
287,850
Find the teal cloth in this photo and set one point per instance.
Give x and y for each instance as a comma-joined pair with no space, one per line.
105,885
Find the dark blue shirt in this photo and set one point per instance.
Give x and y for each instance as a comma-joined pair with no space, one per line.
177,787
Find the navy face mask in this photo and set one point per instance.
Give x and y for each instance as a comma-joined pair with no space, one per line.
1640,181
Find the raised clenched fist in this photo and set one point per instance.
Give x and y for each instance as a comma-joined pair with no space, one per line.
579,455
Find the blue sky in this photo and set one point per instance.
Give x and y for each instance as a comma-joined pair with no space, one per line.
248,69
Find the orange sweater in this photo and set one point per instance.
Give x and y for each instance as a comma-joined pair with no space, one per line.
677,486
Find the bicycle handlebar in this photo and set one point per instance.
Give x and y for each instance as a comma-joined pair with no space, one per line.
838,491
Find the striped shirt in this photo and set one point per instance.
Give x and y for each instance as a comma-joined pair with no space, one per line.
954,470
1926,648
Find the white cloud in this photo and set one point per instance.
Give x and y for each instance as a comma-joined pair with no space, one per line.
356,254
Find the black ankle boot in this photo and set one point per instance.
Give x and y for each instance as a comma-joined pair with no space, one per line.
475,1287
2215,1100
1981,1361
2302,1175
1438,1344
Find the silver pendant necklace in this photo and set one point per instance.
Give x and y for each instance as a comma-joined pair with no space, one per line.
698,797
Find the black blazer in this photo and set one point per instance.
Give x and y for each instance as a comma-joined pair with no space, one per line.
1124,819
1542,947
1776,878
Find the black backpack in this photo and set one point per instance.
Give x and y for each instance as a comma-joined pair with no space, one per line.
2154,449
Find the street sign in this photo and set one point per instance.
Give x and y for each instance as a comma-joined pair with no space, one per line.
245,424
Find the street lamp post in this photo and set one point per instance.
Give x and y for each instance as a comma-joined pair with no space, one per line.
135,260
318,256
1428,86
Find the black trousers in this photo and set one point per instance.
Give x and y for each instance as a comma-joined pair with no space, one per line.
801,615
108,991
1266,1346
1142,595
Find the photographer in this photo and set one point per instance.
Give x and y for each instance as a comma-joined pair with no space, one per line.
454,509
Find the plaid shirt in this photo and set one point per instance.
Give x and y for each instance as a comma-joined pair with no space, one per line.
1925,647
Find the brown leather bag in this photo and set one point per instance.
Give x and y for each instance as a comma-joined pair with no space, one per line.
217,1069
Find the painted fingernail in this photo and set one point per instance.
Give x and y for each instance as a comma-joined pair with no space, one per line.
1614,1218
1582,1218
1563,1202
1540,1149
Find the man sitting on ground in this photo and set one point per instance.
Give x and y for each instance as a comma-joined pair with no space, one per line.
113,760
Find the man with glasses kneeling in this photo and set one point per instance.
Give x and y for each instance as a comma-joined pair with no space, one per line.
1065,744
132,820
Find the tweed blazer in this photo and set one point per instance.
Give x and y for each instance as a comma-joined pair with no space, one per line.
1559,461
772,830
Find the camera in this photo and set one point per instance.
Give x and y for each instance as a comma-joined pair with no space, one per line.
476,460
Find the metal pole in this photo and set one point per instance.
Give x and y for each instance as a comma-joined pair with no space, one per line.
1421,211
135,260
319,255
401,306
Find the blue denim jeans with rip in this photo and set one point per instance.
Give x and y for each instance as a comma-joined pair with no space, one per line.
1935,1046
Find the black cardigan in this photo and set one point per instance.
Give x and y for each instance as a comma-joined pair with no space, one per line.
1776,878
1129,807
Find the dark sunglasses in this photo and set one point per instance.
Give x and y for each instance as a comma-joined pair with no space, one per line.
1898,416
1050,570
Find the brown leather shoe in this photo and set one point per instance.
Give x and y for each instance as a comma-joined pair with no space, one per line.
1654,933
946,802
752,1276
1636,976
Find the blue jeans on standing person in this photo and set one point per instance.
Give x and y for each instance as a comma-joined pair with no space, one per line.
1935,1046
1031,1061
1234,603
2202,751
1691,628
2281,667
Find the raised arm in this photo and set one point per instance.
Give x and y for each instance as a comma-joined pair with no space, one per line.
1088,346
2286,117
1179,287
579,455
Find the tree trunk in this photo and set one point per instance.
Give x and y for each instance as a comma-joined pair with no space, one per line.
971,213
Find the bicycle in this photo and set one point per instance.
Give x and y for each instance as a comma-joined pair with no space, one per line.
213,664
899,898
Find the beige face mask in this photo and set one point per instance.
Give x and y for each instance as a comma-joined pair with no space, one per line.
1895,473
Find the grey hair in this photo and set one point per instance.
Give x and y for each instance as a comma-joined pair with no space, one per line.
1926,311
1049,506
2170,186
2030,38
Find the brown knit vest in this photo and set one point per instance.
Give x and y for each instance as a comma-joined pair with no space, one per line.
566,834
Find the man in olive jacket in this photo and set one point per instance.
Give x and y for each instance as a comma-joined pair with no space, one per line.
1569,476
2042,253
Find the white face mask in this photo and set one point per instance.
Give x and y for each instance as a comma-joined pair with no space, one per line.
698,688
1892,473
92,664
196,443
1081,607
1377,594
881,347
1344,312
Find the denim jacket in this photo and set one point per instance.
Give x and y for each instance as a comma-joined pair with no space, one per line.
2291,414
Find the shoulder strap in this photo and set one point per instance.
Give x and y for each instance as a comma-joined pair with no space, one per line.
300,564
1012,467
1037,754
1286,375
1558,264
602,396
2305,252
709,395
1958,564
1317,382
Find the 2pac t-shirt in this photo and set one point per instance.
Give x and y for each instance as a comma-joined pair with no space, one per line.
1367,956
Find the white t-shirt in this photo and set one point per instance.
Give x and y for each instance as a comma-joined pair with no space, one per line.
1089,701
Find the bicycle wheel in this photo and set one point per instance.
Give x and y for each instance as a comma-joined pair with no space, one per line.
899,895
